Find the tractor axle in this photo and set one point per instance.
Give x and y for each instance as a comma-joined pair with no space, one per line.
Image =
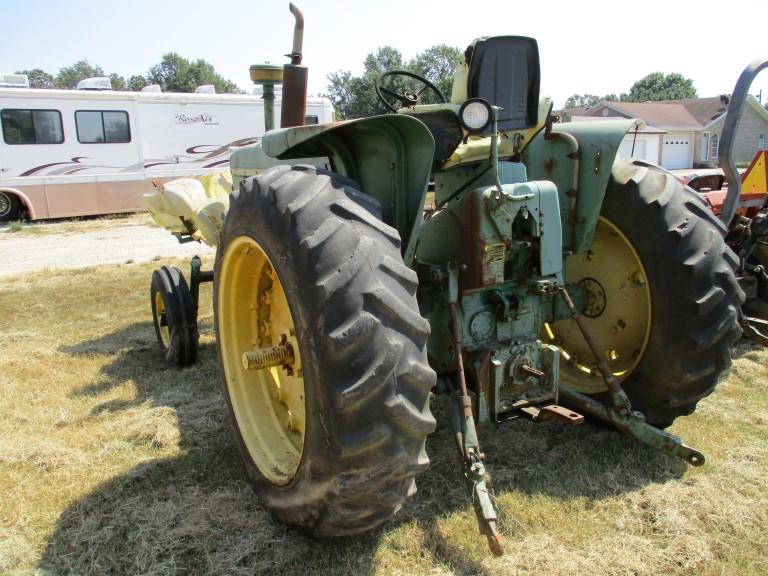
269,357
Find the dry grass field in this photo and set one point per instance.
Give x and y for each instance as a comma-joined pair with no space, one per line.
113,463
77,225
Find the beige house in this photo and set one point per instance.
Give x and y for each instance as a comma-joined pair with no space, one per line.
683,134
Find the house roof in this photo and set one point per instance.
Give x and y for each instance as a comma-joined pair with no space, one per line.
661,115
571,111
705,110
688,114
692,114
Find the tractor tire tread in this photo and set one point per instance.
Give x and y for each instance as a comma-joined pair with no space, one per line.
368,340
696,321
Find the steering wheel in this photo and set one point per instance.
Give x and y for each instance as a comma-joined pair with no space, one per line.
407,99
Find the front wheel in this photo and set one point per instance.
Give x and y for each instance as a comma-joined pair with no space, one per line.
174,316
662,298
321,351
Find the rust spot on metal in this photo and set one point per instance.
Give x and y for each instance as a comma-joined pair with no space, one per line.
573,196
549,166
492,263
485,379
560,413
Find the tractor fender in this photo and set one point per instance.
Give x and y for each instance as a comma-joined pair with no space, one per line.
389,156
551,158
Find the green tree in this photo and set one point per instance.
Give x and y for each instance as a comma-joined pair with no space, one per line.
136,83
383,60
582,101
659,86
39,78
177,74
69,76
117,81
437,64
341,92
355,96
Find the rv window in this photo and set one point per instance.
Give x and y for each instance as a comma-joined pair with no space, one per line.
308,120
32,126
102,126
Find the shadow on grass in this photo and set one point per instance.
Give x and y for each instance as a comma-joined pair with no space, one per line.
195,513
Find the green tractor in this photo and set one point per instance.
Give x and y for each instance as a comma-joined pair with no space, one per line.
543,278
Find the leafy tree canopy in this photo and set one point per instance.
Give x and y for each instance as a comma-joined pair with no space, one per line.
437,64
355,96
582,101
69,76
173,73
651,88
177,74
117,81
659,86
38,78
136,83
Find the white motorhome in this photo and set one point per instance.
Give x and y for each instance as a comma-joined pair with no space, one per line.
83,152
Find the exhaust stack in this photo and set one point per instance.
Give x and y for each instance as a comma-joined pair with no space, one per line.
294,104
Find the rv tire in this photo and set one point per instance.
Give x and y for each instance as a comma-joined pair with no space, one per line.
10,207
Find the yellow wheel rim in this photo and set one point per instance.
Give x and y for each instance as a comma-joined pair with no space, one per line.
618,311
162,320
268,404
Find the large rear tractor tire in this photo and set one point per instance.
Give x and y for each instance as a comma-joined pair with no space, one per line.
662,296
759,256
333,431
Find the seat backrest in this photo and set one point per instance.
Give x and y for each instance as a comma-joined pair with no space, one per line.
504,70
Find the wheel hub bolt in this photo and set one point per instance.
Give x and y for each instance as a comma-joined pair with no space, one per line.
268,357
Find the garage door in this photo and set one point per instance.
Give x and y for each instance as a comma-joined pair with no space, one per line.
676,152
625,150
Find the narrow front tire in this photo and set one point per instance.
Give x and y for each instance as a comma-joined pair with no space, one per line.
174,317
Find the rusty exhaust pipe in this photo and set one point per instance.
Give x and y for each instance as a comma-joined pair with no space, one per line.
298,34
294,105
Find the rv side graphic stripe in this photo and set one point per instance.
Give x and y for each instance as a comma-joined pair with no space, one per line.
221,149
218,151
159,164
31,171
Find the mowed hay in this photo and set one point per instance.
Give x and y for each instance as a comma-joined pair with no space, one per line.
113,462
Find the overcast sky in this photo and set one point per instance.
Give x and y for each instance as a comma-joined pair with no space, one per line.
595,47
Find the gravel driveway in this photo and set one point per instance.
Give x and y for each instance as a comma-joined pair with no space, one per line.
89,243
